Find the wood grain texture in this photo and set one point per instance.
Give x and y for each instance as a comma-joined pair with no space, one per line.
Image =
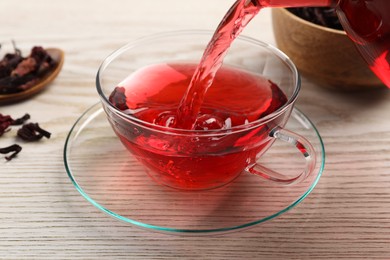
42,216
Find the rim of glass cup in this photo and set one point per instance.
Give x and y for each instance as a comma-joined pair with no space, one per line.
281,55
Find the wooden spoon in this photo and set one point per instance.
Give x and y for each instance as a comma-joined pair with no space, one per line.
58,56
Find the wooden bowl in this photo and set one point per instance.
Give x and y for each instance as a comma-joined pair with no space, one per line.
58,56
326,56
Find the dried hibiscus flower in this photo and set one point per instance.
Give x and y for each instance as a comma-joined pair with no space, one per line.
18,73
324,16
14,149
28,132
6,121
32,132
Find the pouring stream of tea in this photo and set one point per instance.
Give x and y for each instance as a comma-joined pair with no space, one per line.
371,36
230,27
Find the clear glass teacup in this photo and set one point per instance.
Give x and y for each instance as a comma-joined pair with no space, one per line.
208,158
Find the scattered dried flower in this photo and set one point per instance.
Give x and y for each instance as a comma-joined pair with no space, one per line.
14,149
32,132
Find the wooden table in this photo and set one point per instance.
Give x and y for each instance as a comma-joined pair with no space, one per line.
42,216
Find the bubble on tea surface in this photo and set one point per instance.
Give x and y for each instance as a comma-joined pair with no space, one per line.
167,119
209,122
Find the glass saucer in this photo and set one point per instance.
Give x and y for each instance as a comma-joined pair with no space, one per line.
112,180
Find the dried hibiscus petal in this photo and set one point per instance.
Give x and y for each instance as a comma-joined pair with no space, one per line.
32,132
28,132
4,127
9,63
13,149
21,120
24,67
324,16
118,98
6,121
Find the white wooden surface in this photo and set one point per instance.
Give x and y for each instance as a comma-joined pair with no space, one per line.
42,216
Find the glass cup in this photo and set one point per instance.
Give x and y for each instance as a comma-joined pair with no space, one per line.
205,159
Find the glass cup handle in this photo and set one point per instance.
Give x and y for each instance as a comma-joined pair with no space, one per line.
304,147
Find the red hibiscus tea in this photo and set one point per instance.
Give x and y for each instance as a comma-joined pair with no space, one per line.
191,160
198,125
